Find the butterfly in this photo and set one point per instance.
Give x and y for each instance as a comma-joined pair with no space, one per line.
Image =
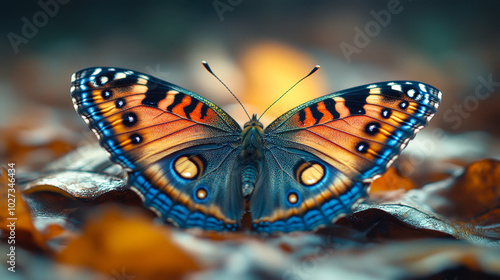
196,167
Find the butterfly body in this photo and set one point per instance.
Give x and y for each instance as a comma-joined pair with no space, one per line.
252,145
194,166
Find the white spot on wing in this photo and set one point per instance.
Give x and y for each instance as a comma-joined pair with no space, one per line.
418,129
142,81
396,87
422,87
97,71
108,153
391,83
368,180
120,75
389,163
73,77
144,77
103,80
371,86
97,134
411,93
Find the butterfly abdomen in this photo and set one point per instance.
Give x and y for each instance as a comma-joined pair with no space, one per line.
248,179
252,143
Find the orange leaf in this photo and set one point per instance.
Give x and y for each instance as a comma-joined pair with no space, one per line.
474,193
390,181
17,220
130,242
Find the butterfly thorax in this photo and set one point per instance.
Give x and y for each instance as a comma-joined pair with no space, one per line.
252,143
252,140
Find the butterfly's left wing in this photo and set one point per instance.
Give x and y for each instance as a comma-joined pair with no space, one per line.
320,157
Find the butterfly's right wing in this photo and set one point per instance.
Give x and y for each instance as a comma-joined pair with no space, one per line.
177,146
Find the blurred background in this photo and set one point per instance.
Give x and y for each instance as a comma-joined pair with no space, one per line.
259,49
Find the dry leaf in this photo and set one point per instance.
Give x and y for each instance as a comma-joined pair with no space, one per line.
390,181
17,220
116,240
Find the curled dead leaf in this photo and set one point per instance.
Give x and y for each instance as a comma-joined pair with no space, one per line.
77,184
474,193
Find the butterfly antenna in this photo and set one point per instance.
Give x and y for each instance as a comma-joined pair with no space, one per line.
310,73
205,64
